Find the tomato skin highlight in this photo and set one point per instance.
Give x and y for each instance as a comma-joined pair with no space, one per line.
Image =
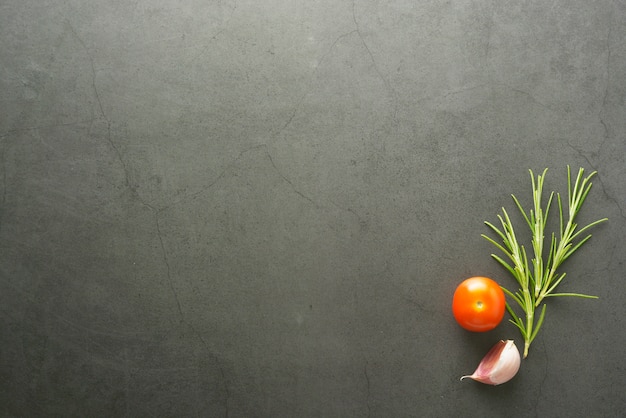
478,304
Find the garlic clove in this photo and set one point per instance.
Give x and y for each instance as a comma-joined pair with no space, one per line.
499,365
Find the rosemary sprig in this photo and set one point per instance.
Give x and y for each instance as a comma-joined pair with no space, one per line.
538,279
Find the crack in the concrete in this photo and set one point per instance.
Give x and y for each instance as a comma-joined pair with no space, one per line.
388,86
289,182
606,194
581,154
530,96
155,210
179,308
357,31
219,365
605,126
483,85
127,181
118,154
168,270
460,91
103,116
611,198
318,206
362,222
93,68
451,93
296,107
230,166
216,180
221,29
606,135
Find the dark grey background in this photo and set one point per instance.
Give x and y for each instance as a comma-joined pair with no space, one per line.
263,207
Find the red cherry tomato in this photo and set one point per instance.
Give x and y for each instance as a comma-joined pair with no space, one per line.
478,304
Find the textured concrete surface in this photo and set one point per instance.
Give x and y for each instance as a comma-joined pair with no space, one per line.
262,208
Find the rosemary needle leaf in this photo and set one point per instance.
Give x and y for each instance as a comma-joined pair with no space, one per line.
558,198
592,224
515,297
578,295
522,211
496,230
555,284
545,214
519,326
516,320
505,264
539,323
575,247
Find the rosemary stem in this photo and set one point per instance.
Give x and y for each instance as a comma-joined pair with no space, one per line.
530,318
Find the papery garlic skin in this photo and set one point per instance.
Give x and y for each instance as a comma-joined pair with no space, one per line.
499,365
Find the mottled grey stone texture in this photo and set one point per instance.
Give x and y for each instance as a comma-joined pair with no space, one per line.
261,208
